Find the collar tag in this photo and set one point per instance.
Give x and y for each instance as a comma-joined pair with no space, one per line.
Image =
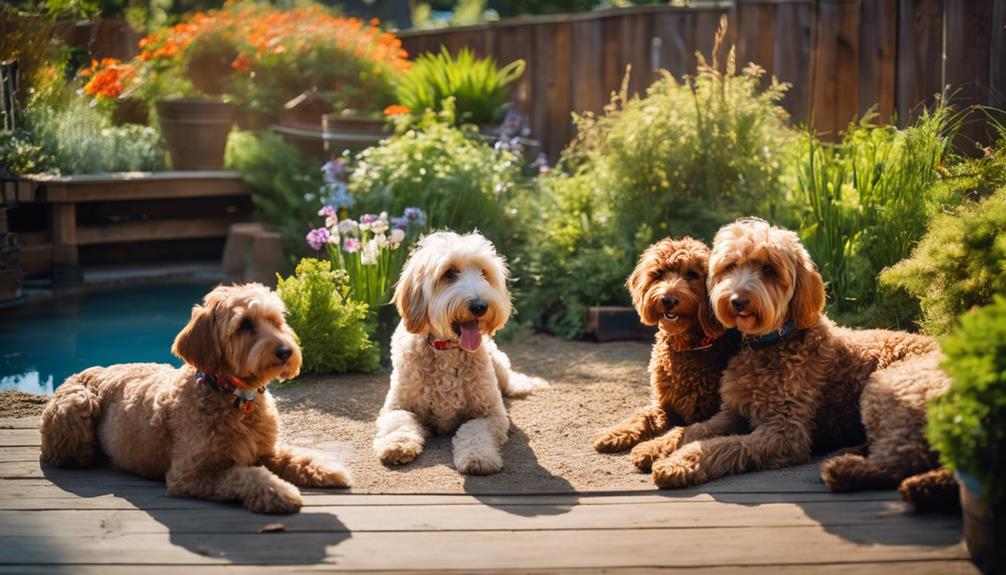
244,399
770,338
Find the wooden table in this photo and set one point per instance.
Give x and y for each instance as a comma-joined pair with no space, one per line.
63,194
104,521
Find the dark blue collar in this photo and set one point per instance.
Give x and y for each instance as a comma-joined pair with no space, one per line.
786,330
243,399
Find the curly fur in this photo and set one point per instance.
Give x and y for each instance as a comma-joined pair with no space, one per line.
786,399
668,288
450,390
156,421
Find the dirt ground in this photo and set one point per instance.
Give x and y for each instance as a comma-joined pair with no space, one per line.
18,404
593,386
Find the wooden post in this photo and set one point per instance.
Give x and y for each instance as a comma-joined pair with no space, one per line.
65,264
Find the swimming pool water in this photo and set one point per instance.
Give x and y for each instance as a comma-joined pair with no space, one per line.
44,342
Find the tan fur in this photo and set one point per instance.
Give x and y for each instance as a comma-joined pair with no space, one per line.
796,395
156,421
684,382
452,390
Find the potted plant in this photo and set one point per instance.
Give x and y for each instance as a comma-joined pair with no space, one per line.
967,426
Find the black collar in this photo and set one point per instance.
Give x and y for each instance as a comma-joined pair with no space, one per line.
759,341
243,399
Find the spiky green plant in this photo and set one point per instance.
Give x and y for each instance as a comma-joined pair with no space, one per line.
480,89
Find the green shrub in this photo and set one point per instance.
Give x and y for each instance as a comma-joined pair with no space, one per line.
284,184
958,264
867,201
450,173
81,139
329,325
967,425
480,90
690,155
18,155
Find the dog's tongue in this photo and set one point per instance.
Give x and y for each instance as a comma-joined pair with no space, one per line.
471,337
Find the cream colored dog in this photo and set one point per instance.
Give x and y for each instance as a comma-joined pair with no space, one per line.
447,373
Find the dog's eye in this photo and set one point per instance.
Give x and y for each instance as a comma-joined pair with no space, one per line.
768,271
451,275
692,275
246,325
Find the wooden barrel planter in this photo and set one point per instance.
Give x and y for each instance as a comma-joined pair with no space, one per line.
195,131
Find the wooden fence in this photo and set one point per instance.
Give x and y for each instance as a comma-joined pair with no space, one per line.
841,56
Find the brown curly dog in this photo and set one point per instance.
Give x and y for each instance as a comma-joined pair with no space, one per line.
208,428
668,289
795,385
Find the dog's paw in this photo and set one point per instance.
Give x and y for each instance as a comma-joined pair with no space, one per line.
481,464
330,474
273,496
679,470
614,441
644,454
398,451
520,385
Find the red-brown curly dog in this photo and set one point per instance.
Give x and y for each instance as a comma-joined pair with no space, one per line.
208,428
668,289
795,385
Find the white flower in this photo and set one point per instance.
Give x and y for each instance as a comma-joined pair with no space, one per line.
332,223
397,236
381,225
368,256
381,240
348,227
364,227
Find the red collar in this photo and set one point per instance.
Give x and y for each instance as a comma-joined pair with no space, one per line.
230,384
440,344
705,343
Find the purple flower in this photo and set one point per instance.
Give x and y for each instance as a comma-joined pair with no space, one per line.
412,213
351,245
327,211
334,169
401,223
317,238
368,219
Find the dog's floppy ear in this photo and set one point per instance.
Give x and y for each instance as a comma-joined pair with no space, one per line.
707,319
197,343
636,284
410,301
808,296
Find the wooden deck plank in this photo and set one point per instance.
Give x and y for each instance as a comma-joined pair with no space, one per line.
18,422
942,567
482,549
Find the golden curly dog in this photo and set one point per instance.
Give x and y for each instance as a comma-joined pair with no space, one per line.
795,385
447,373
208,428
668,288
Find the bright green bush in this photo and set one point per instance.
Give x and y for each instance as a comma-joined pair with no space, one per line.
480,90
81,139
284,184
450,173
958,264
867,200
329,325
967,426
691,154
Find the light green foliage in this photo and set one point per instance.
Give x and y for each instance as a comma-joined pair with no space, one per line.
967,425
867,200
330,326
284,184
18,155
81,139
479,89
959,263
450,173
690,155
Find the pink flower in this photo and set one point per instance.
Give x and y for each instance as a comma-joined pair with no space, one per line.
327,211
351,245
317,238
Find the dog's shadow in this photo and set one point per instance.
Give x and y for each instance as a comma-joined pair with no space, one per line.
218,530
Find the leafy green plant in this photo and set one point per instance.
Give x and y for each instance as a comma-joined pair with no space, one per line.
81,139
480,89
18,155
867,200
450,173
958,264
967,425
329,325
284,184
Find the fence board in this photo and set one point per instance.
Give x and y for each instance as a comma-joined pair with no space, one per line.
966,44
920,45
588,91
794,53
836,67
878,38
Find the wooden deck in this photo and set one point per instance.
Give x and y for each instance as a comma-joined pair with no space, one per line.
103,521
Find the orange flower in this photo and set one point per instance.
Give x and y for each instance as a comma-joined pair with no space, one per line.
397,110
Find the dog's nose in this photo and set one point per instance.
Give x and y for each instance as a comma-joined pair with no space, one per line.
283,352
478,307
738,302
669,302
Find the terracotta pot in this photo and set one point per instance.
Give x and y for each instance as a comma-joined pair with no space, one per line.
984,526
350,133
195,131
